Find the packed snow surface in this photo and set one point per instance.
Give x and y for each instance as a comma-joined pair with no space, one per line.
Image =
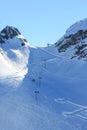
41,89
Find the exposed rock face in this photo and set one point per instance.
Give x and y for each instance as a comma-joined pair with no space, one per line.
78,41
10,32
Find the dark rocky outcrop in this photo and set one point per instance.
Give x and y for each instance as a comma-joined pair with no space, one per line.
10,32
76,40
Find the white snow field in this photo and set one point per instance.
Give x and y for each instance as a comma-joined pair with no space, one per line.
41,89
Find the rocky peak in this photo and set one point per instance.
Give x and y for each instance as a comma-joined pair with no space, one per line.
75,38
9,32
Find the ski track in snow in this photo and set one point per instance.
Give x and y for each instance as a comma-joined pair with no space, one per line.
76,112
34,67
17,73
56,58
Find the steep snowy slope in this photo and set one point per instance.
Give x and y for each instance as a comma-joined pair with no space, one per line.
80,25
74,43
61,84
52,94
20,106
59,74
14,54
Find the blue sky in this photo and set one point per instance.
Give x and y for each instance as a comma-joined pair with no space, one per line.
41,22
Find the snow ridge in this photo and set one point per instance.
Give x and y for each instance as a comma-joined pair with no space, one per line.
80,25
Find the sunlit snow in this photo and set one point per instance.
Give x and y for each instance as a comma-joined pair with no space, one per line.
41,89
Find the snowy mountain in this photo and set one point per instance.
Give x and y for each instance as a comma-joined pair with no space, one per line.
14,54
43,88
74,42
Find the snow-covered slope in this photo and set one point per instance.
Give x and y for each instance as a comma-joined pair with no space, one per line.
61,83
14,54
80,25
74,43
42,88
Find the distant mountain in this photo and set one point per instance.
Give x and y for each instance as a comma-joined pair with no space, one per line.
74,42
